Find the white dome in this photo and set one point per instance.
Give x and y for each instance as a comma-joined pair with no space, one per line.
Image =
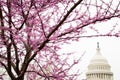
99,59
99,69
99,64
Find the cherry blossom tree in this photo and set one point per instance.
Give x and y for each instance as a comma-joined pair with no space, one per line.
31,32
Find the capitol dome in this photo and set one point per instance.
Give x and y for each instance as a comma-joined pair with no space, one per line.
99,68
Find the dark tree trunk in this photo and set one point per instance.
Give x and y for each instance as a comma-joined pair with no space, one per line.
20,78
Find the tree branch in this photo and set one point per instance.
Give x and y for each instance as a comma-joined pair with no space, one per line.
64,18
88,23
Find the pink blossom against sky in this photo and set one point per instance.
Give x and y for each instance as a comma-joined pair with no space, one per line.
110,46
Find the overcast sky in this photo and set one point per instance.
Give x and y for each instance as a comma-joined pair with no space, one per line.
110,46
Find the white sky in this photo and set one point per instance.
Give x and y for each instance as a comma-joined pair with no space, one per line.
110,48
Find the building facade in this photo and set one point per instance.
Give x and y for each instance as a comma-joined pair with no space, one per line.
99,69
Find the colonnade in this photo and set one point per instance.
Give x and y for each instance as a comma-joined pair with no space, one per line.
99,76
